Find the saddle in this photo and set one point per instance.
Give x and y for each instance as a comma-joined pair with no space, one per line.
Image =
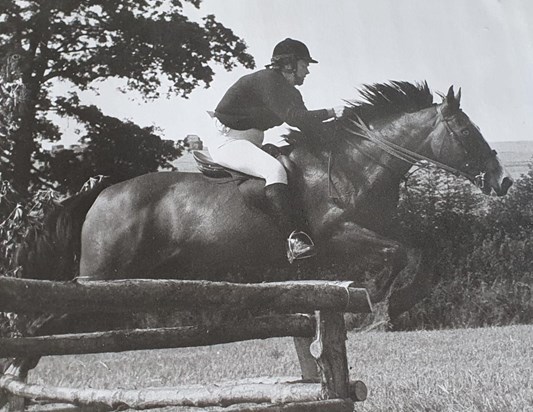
208,167
251,187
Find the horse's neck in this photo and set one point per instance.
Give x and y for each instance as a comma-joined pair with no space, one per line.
410,131
362,169
356,167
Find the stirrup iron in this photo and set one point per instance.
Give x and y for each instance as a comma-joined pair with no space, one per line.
292,254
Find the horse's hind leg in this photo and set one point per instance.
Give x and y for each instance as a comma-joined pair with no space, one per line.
421,284
52,325
18,368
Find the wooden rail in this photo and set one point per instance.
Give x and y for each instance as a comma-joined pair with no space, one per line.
328,390
27,296
275,391
161,338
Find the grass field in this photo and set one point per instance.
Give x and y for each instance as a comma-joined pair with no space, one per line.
457,370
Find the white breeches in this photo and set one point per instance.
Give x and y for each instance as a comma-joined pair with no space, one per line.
240,150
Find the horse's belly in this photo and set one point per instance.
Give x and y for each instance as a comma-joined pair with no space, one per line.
180,233
206,256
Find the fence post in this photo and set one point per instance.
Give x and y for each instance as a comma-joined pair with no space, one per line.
329,350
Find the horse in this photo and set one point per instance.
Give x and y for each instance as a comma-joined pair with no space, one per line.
187,226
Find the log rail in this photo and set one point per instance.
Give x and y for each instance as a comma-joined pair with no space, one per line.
284,303
29,296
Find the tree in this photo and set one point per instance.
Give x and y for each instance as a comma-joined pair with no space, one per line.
148,43
114,148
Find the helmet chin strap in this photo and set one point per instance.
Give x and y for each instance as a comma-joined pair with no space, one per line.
290,75
290,70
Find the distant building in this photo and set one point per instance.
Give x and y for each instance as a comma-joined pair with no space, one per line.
77,148
193,142
58,148
186,163
55,149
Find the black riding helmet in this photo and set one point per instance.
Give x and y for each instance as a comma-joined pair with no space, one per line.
291,49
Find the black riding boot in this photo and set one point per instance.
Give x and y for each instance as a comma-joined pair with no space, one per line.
299,244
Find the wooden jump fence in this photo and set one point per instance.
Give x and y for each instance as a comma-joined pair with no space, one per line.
311,311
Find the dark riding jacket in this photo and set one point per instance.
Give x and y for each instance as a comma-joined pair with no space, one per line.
266,99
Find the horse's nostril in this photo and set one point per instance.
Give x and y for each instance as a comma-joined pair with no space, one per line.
507,182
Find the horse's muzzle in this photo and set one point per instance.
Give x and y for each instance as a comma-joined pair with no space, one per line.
507,182
501,188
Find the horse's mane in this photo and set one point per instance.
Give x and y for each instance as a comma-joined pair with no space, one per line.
380,101
388,99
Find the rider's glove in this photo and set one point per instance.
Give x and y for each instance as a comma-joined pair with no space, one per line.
337,111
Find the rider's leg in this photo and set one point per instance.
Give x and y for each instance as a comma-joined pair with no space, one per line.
299,244
244,156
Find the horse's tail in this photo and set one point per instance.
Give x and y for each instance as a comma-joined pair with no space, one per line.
52,251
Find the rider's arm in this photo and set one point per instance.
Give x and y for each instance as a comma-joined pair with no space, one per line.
287,103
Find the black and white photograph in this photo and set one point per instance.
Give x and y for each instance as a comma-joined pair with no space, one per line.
266,205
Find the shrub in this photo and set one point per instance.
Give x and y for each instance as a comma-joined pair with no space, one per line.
17,215
485,252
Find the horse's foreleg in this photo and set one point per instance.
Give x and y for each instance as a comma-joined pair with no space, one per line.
308,364
367,249
353,243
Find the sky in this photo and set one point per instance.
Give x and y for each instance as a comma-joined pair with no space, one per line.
483,46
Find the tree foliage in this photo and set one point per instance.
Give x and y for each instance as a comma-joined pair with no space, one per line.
150,44
113,148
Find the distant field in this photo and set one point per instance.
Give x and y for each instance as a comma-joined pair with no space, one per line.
458,370
516,156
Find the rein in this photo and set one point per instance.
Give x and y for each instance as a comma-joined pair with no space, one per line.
407,155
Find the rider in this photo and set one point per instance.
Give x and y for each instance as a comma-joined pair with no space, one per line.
260,101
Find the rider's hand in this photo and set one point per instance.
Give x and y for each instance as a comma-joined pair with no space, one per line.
338,111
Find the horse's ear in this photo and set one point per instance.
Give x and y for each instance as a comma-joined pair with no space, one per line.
450,96
450,103
458,97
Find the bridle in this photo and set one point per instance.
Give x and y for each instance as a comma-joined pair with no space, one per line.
479,178
412,158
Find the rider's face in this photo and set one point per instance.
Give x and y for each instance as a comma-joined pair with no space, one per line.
296,75
302,70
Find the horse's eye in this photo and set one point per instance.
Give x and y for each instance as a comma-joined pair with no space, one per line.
465,132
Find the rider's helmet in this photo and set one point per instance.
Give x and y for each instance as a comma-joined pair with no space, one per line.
289,51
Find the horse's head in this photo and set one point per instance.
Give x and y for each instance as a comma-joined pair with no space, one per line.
458,142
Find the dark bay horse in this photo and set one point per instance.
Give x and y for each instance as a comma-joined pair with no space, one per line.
176,225
186,226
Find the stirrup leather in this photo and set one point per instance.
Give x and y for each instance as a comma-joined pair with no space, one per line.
308,252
